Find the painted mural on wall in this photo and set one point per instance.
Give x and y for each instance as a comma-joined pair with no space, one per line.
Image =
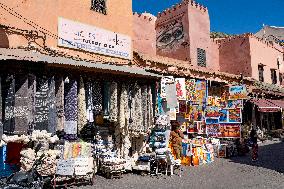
171,34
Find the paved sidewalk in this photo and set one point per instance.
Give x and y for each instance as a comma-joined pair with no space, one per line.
234,173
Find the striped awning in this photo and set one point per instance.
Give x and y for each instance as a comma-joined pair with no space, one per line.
265,105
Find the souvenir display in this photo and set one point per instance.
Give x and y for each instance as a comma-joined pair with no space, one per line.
238,92
235,115
180,88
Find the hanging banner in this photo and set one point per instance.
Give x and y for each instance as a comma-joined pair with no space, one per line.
196,113
171,96
212,130
229,131
223,116
165,80
233,104
193,127
180,88
238,92
182,106
172,114
190,89
201,128
200,94
235,115
211,120
212,111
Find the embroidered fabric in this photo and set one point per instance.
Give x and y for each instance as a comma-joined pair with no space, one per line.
113,110
31,101
9,97
59,95
89,102
52,120
82,111
97,97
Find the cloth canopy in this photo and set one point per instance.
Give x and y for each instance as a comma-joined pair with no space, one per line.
265,105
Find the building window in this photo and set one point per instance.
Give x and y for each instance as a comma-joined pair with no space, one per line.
99,6
260,73
201,57
280,78
273,76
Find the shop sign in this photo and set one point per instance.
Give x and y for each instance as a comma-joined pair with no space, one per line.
85,37
238,92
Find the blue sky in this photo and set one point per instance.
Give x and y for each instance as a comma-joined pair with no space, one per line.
229,16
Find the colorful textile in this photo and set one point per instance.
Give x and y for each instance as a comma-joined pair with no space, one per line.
82,111
106,98
52,114
255,151
13,152
41,104
31,101
70,107
9,97
59,95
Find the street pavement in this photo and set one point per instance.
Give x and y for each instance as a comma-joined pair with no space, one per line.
234,173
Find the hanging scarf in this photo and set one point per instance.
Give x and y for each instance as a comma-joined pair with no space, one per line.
136,125
41,104
82,113
9,98
150,109
31,101
70,108
52,115
59,95
145,107
89,102
21,104
106,98
113,102
97,97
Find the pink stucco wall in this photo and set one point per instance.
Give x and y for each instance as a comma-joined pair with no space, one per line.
234,55
243,54
144,33
45,14
267,55
196,25
166,21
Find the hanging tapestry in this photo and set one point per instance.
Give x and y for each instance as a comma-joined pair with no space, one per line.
89,102
106,98
113,102
200,91
52,115
190,89
82,111
180,88
31,101
150,109
41,104
145,107
97,97
136,110
59,95
164,81
21,104
70,107
9,97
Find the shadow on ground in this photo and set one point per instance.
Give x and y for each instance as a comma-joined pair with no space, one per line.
270,157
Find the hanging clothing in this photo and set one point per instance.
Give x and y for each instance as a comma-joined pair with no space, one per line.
52,115
70,107
21,104
59,95
89,102
9,97
136,125
41,104
31,101
106,98
97,97
113,107
82,111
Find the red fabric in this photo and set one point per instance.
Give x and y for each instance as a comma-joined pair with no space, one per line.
13,152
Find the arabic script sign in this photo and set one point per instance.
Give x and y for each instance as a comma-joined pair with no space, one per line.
76,35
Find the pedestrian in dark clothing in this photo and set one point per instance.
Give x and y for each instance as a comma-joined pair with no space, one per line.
253,137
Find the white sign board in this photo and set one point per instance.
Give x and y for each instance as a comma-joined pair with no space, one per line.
76,35
77,166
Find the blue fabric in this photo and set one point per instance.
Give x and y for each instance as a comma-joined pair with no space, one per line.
184,149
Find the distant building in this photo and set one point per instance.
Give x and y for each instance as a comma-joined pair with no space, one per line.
272,34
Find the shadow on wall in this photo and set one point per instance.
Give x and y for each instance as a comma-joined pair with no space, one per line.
270,157
4,41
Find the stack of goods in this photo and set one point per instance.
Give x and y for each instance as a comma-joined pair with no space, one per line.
158,143
48,165
111,165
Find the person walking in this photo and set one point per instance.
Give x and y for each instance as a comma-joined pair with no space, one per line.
253,137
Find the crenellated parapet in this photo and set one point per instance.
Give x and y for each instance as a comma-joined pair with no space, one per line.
145,17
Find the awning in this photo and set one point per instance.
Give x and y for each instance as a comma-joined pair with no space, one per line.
279,103
265,105
21,54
